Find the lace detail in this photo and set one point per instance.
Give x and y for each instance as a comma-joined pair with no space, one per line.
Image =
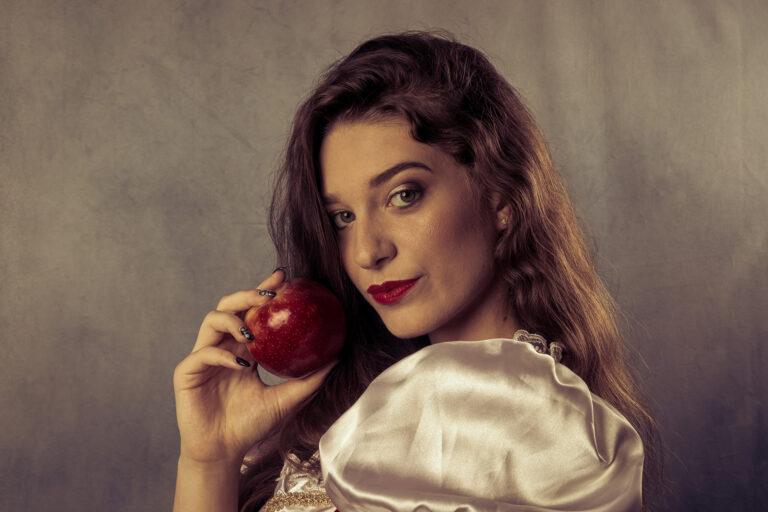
302,479
299,489
540,345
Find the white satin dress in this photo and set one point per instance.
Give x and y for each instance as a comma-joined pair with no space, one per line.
471,426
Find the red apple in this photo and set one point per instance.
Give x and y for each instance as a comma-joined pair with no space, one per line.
297,332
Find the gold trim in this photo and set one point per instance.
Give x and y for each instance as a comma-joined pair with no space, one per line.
304,498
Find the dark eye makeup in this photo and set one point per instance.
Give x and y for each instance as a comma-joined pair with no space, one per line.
403,197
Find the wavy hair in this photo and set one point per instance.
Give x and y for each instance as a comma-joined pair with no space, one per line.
455,100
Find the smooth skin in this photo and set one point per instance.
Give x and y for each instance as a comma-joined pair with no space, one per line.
223,409
406,210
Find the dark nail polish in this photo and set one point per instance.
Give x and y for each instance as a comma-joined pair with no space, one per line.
284,269
242,362
246,333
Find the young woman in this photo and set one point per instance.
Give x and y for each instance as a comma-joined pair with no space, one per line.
483,367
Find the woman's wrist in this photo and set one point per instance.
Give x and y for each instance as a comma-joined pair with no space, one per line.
206,485
224,465
209,456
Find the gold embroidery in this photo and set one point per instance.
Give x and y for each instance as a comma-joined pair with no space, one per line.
305,498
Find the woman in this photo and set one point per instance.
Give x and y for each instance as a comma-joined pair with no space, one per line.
418,188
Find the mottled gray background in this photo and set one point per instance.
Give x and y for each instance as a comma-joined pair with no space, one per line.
137,141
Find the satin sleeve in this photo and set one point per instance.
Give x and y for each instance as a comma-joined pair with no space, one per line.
481,426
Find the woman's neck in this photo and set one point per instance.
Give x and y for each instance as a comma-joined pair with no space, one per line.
486,318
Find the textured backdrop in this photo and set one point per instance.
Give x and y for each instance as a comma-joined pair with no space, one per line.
137,142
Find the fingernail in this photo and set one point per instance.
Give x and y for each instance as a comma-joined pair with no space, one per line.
242,362
284,269
267,292
247,334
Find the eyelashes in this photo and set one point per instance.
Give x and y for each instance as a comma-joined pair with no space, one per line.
341,219
403,197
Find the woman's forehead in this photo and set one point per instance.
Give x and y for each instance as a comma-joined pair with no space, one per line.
359,157
365,148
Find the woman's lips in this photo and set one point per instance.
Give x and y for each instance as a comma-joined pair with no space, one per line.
391,291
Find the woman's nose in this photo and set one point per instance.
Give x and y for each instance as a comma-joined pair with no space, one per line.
371,246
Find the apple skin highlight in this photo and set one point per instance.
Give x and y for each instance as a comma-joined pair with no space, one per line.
297,332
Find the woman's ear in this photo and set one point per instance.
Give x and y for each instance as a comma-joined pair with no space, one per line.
502,213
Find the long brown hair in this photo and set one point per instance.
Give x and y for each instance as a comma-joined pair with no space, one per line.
455,100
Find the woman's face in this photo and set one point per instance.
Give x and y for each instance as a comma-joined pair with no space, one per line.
413,237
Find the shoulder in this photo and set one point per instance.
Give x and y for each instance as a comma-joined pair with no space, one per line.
493,419
502,374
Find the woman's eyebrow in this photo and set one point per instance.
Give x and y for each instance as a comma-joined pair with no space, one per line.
395,169
384,177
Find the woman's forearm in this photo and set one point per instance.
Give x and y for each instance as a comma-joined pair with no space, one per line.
206,487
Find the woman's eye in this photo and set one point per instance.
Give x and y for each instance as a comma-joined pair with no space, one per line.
405,197
341,219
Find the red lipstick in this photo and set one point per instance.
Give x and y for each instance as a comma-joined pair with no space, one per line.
390,292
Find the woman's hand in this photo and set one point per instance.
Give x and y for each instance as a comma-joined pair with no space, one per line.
222,407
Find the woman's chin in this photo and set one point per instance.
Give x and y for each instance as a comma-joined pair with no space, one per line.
405,322
405,331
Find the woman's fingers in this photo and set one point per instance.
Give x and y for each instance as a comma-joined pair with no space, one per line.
277,277
218,324
242,300
291,392
226,320
188,371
